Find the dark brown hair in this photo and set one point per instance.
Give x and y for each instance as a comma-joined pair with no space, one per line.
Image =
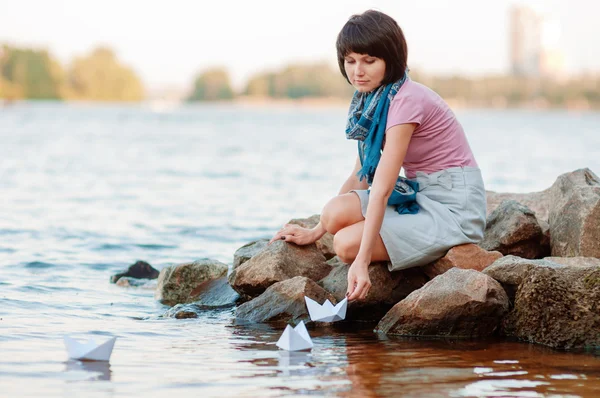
378,35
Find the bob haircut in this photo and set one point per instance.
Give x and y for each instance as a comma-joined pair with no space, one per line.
378,35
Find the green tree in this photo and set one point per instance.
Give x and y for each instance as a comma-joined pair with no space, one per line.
100,76
212,85
27,73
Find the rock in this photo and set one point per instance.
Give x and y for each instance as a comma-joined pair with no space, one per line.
574,215
335,261
513,229
140,270
283,301
183,283
183,311
246,252
575,261
127,281
325,244
387,288
468,256
460,303
212,294
557,307
545,241
275,263
510,271
538,202
215,293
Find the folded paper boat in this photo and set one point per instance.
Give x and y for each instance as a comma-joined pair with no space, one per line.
89,351
295,339
326,312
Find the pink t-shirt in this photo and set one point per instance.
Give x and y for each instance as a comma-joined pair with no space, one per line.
439,141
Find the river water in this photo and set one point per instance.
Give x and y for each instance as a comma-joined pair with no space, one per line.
86,190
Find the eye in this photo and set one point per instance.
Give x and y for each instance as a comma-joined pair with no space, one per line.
370,60
349,61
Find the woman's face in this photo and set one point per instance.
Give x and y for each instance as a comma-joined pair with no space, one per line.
364,71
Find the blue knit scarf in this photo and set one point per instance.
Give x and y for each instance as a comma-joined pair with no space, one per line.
367,119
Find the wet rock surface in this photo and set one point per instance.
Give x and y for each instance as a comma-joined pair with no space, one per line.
283,302
139,270
180,284
126,281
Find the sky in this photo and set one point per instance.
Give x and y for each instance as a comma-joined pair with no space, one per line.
168,42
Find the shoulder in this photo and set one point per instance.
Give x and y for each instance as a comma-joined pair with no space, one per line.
412,91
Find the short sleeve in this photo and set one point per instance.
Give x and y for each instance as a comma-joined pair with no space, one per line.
404,110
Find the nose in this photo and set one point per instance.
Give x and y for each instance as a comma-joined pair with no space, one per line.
359,71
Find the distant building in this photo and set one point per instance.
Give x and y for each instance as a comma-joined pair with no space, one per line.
534,44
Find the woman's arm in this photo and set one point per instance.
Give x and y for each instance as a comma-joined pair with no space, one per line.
386,175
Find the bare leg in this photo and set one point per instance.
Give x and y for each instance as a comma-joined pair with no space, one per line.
341,212
346,244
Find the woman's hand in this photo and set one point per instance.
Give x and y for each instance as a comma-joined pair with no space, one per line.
296,234
359,282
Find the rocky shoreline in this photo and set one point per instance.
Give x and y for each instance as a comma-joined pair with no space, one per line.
535,277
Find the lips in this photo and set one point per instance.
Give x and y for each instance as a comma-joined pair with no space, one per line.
361,81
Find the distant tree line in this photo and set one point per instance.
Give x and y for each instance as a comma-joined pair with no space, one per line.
513,91
35,74
100,76
294,81
321,80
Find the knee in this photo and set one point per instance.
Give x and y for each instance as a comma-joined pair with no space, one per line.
332,217
345,247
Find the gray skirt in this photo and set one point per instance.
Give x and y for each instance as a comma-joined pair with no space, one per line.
452,211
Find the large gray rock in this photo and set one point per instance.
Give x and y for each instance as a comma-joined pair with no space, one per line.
571,207
275,263
574,215
557,307
538,202
387,288
325,244
461,303
511,271
283,302
185,282
513,229
468,256
247,251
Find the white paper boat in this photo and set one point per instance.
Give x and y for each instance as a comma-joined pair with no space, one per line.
296,339
90,351
326,312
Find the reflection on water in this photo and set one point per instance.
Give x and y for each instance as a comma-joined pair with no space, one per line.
347,361
88,370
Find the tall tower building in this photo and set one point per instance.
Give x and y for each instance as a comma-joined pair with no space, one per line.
525,41
534,44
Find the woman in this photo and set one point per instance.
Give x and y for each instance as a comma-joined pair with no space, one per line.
377,215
